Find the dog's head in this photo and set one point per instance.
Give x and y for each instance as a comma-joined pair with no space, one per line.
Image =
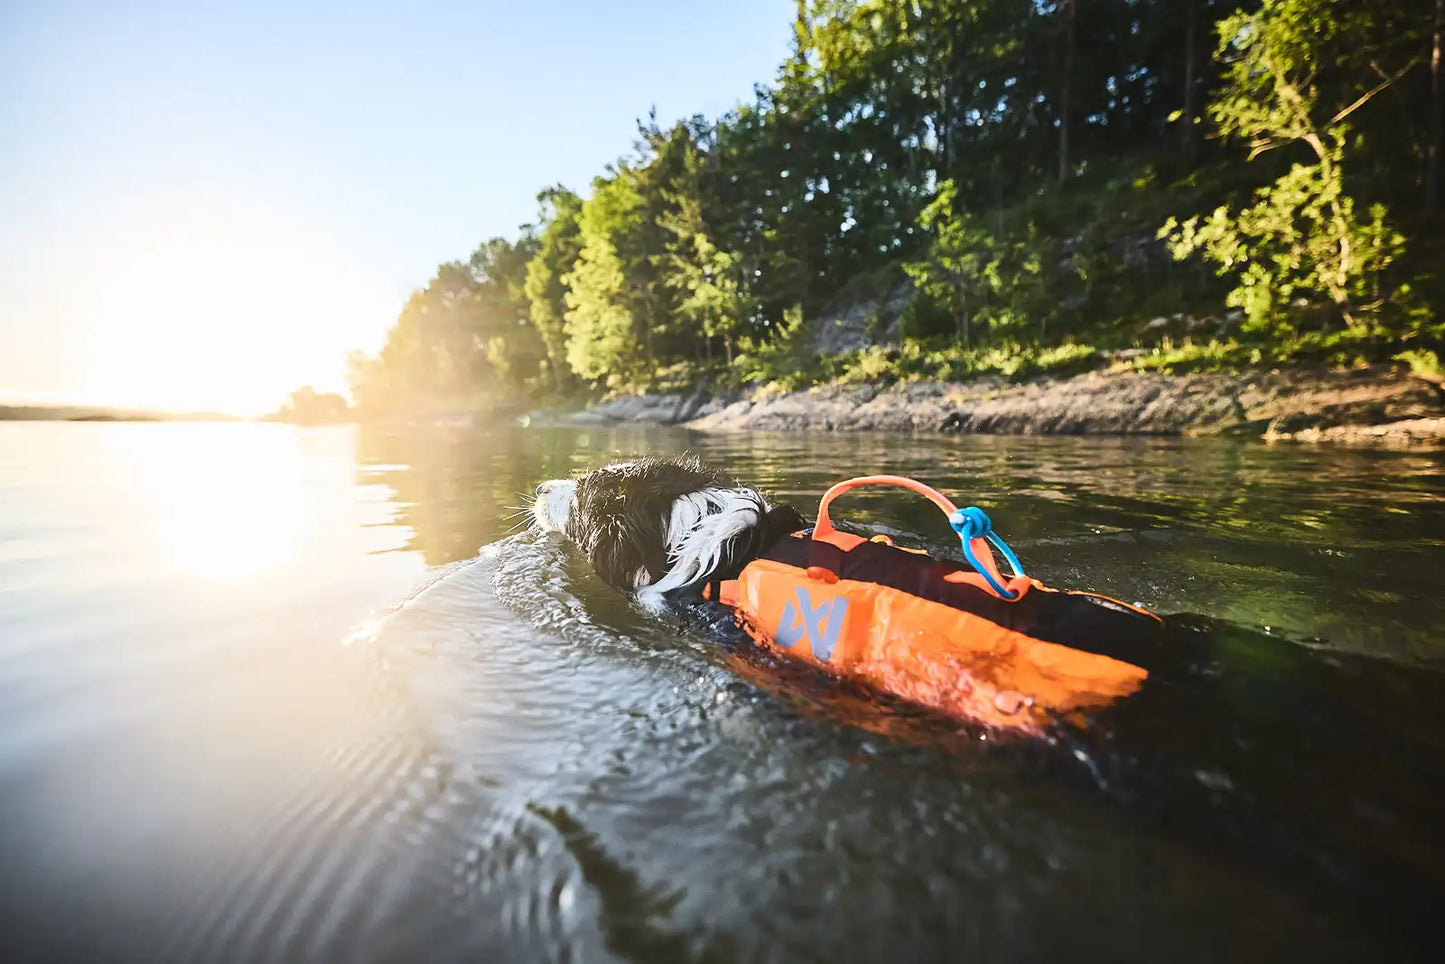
661,524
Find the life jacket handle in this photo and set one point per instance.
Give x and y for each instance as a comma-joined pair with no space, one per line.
971,524
824,526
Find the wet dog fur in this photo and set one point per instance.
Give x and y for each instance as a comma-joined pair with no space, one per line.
660,527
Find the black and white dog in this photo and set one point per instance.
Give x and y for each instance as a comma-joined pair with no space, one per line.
658,526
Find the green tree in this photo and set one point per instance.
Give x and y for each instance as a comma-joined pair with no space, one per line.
1012,158
610,315
955,273
514,348
985,283
307,406
1302,235
714,298
463,338
545,290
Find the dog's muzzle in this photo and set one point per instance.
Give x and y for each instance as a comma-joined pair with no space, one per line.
553,504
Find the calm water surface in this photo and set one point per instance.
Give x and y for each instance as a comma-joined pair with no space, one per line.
288,694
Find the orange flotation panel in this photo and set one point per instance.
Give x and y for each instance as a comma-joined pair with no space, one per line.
1008,652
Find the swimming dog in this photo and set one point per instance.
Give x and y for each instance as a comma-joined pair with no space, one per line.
657,526
956,636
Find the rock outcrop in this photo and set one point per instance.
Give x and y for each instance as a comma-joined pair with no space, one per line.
1366,404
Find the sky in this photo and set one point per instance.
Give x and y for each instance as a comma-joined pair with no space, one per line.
205,205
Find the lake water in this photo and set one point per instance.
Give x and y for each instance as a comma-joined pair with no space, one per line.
262,698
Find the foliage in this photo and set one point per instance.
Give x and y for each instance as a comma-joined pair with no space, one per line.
998,169
557,248
1191,356
714,294
918,361
1301,238
985,281
464,337
607,298
781,360
307,406
1424,363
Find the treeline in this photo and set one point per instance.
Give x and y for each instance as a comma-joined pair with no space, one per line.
1007,182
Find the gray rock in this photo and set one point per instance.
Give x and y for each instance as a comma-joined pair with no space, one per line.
1378,404
1276,404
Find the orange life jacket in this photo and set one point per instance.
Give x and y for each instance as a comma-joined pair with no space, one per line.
937,632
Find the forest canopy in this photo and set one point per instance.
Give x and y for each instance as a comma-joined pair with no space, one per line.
998,186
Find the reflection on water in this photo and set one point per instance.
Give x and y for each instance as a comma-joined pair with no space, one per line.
218,743
220,506
1315,543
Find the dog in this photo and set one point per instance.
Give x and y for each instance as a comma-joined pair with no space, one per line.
954,636
661,527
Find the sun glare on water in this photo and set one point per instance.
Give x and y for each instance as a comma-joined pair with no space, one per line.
221,503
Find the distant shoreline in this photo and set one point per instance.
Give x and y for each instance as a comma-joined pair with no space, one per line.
101,413
1374,405
96,413
1379,404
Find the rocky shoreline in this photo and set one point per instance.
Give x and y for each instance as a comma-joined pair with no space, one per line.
1381,404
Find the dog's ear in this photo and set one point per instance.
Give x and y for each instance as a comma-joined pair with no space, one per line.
627,549
619,519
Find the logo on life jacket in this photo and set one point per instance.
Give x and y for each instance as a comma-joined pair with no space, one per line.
820,625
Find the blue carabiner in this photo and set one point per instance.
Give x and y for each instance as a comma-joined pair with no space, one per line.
972,522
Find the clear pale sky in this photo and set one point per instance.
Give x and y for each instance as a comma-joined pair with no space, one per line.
204,205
